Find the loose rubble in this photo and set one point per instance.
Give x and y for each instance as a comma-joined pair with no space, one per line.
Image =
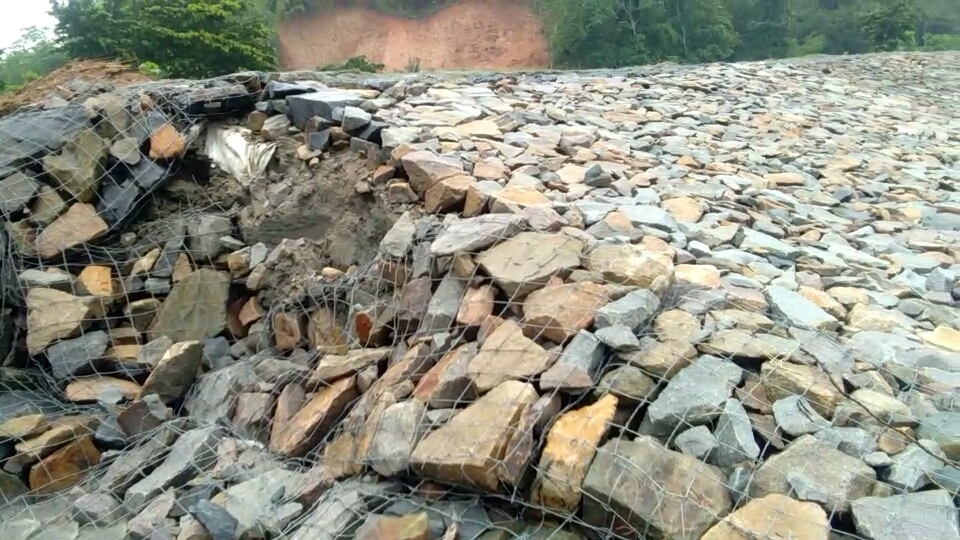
672,302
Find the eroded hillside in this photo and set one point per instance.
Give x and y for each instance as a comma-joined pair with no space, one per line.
489,34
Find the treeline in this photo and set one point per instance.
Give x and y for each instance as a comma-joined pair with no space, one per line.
199,38
611,33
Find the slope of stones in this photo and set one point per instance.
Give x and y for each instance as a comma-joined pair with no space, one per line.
673,302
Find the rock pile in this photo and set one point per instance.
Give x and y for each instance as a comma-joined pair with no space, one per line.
679,302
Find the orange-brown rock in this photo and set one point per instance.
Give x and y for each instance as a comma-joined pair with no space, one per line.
313,422
507,354
288,331
468,448
773,516
64,468
447,193
476,306
79,225
166,143
557,312
89,390
571,444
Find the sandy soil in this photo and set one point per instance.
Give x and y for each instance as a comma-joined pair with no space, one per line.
478,34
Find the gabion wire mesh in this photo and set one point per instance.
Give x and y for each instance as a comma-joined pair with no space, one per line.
632,304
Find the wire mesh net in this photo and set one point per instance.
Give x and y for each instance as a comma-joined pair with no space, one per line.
672,302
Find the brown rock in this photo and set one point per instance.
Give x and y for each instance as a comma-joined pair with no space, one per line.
175,371
781,379
448,383
424,169
53,315
447,193
335,366
89,390
141,312
251,312
507,354
627,264
662,358
527,261
97,281
23,427
512,199
558,312
181,268
476,306
252,415
64,468
571,445
78,226
166,143
408,527
312,423
61,431
288,331
663,493
683,209
323,330
675,324
773,516
195,308
468,448
289,402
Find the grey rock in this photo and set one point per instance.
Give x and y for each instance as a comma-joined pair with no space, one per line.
73,357
697,441
399,430
795,416
100,509
475,234
444,305
398,241
928,515
634,479
337,513
131,465
217,521
320,103
813,471
944,429
633,311
193,452
577,368
619,338
695,395
629,383
853,441
735,438
799,311
354,119
16,191
910,469
203,235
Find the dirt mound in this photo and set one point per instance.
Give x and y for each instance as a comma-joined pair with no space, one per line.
480,34
64,81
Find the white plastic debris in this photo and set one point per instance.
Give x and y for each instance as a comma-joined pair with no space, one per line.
232,149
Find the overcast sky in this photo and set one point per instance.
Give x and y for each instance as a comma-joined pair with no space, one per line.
20,14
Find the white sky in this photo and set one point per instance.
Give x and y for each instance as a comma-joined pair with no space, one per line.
20,14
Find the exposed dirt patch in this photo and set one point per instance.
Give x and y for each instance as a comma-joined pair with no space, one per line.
480,34
69,80
319,204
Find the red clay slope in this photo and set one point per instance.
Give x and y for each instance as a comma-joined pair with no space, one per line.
474,34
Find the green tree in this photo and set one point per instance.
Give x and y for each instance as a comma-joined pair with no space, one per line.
33,54
185,38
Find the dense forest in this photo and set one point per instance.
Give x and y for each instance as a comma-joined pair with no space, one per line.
195,38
